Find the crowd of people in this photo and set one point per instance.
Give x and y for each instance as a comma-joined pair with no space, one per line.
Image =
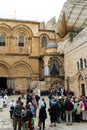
61,108
69,109
23,114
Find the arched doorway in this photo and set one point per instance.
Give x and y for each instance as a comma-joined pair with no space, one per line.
81,85
4,75
21,74
3,83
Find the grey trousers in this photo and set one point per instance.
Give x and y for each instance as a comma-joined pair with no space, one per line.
69,117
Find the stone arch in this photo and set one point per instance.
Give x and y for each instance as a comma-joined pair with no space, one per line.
4,69
22,29
26,32
6,29
81,83
43,34
21,73
21,69
59,60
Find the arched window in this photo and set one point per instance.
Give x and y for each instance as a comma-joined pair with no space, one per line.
54,68
85,63
78,65
81,63
21,40
2,39
44,41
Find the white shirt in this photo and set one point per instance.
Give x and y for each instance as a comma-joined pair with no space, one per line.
1,102
11,104
39,94
5,99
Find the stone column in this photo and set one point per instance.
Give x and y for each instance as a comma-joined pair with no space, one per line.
46,70
46,66
10,82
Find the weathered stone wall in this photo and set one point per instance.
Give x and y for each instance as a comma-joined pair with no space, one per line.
74,51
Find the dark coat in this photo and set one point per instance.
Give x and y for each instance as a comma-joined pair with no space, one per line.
53,111
42,114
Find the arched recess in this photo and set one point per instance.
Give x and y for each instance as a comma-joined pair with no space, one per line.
21,73
81,83
6,29
22,67
4,74
45,36
60,63
27,34
4,69
57,79
22,29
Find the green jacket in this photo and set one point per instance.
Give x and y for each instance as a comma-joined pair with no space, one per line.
77,108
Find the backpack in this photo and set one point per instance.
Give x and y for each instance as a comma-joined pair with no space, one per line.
12,108
69,106
17,112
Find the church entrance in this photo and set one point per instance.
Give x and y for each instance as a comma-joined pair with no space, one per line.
3,83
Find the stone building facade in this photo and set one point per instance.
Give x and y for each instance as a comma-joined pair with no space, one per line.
26,54
76,64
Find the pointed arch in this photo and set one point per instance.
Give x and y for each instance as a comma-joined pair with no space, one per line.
81,82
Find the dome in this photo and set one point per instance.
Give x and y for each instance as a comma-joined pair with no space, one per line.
51,45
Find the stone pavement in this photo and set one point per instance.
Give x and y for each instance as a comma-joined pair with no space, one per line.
6,122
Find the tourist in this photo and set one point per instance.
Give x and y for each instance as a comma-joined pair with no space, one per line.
37,99
26,115
17,115
83,106
5,99
43,101
42,116
69,108
11,106
53,113
77,110
32,109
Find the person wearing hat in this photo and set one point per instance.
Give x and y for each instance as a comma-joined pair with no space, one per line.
42,116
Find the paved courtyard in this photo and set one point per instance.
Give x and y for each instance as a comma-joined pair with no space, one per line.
6,122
